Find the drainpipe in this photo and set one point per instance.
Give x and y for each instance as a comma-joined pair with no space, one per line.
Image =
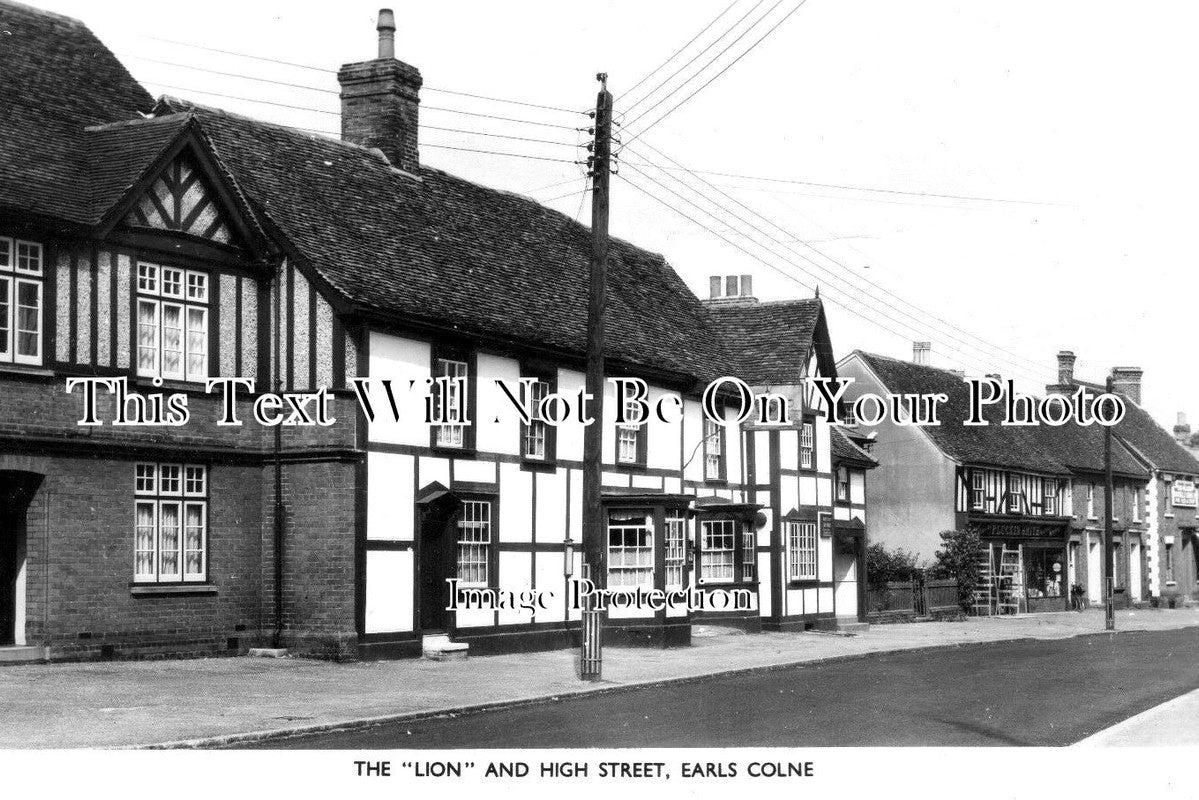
277,639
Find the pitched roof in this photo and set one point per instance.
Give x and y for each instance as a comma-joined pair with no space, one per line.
845,449
1153,443
1080,447
992,444
58,78
768,343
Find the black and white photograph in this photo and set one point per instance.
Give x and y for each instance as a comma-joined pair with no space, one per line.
785,396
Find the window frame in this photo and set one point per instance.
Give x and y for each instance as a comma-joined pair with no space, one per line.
1091,502
150,290
706,551
18,277
978,491
650,513
807,430
674,542
490,547
549,456
460,355
640,439
183,499
715,436
842,472
795,536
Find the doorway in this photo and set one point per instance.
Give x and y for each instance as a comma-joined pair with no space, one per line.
438,562
16,490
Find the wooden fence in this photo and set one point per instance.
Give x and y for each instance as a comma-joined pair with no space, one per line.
920,597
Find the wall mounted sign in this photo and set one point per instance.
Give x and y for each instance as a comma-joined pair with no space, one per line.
1183,493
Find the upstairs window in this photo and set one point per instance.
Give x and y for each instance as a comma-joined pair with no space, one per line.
807,445
843,484
1090,501
847,413
1015,501
630,438
749,555
978,491
449,433
171,523
713,451
20,302
1049,503
535,437
1136,505
172,323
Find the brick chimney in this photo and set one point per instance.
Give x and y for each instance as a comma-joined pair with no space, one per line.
1065,367
1182,430
380,101
1127,381
920,352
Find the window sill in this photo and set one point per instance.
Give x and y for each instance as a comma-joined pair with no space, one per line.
171,589
805,583
539,464
26,369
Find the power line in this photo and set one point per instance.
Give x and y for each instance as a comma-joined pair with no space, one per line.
324,70
711,61
499,136
496,153
843,266
657,69
830,276
849,187
338,113
708,83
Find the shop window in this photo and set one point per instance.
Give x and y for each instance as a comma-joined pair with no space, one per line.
20,301
170,523
676,552
801,551
172,323
1044,572
630,549
807,446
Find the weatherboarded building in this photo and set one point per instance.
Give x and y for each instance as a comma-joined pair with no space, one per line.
162,244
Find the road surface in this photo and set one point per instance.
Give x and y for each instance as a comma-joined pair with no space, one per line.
1006,693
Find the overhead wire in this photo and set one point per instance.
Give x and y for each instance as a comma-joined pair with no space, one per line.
1006,356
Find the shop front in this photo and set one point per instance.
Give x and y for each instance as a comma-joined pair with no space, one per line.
1029,564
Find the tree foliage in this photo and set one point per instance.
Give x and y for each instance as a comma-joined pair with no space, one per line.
883,565
960,558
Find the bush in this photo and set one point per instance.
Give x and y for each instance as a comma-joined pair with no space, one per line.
958,558
883,565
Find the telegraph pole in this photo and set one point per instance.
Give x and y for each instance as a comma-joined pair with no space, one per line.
593,435
1109,605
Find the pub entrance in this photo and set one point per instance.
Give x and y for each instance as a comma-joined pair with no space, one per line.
437,546
16,490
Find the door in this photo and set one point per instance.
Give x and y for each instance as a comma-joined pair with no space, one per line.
1134,570
845,577
1094,572
438,548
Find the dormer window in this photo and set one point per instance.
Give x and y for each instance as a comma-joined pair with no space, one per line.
20,301
172,323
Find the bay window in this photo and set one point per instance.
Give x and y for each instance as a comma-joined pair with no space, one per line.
170,523
20,301
172,323
630,548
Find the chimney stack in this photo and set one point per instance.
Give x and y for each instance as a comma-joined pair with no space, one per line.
920,352
1182,431
380,101
1065,368
727,290
1127,381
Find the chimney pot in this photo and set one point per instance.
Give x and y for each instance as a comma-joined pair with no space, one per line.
920,352
747,285
387,33
714,284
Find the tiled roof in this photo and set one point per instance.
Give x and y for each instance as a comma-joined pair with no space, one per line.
57,79
768,342
992,444
1080,447
844,448
1139,430
118,154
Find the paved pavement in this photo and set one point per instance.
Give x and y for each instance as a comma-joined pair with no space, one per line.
1023,693
119,704
1174,723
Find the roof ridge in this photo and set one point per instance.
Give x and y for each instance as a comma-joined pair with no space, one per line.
41,12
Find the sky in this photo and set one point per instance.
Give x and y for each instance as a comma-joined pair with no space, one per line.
1076,119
